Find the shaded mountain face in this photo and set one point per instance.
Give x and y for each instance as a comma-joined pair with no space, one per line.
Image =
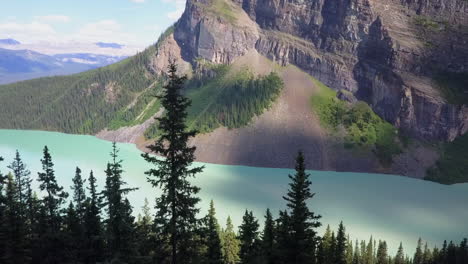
390,53
9,41
17,65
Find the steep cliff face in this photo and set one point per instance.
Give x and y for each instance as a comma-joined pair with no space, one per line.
384,51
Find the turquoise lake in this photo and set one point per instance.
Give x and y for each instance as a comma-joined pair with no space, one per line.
388,207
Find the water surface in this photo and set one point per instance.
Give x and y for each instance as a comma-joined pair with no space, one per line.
388,207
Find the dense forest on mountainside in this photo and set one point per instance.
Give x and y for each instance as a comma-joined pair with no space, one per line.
452,167
363,128
81,103
230,99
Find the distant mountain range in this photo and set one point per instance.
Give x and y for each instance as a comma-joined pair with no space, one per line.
18,65
109,45
9,41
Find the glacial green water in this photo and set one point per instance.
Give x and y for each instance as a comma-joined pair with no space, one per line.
388,207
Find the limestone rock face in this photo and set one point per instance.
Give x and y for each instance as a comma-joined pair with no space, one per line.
385,52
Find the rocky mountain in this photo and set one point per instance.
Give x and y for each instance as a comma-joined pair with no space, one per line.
387,53
17,65
407,59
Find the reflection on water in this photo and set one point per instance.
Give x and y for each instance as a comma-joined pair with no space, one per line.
389,207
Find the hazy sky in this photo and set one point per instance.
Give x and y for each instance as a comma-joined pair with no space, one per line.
136,23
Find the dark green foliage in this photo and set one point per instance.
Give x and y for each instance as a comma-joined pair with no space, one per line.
130,241
229,99
94,245
340,248
23,181
213,241
283,238
418,255
452,166
119,224
364,129
15,246
55,196
249,238
230,245
144,231
303,221
79,196
50,218
400,256
382,255
454,87
268,239
175,219
113,96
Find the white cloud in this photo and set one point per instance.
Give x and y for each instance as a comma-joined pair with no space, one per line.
174,15
28,31
180,7
138,1
53,18
104,30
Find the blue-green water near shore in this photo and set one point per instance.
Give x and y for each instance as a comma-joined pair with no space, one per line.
388,207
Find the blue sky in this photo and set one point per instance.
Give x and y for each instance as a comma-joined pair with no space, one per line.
129,22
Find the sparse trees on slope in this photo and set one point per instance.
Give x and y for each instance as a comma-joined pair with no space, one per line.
177,206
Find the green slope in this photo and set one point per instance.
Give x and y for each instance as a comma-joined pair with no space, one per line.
87,102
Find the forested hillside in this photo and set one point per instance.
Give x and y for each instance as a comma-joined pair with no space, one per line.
81,103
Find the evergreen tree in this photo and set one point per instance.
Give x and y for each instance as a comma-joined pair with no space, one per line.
79,196
418,255
94,245
303,221
427,255
73,230
356,256
55,196
400,256
230,245
23,184
119,224
283,237
213,242
382,253
24,196
176,207
3,222
248,236
349,251
370,252
50,236
144,231
340,250
327,247
268,239
14,248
